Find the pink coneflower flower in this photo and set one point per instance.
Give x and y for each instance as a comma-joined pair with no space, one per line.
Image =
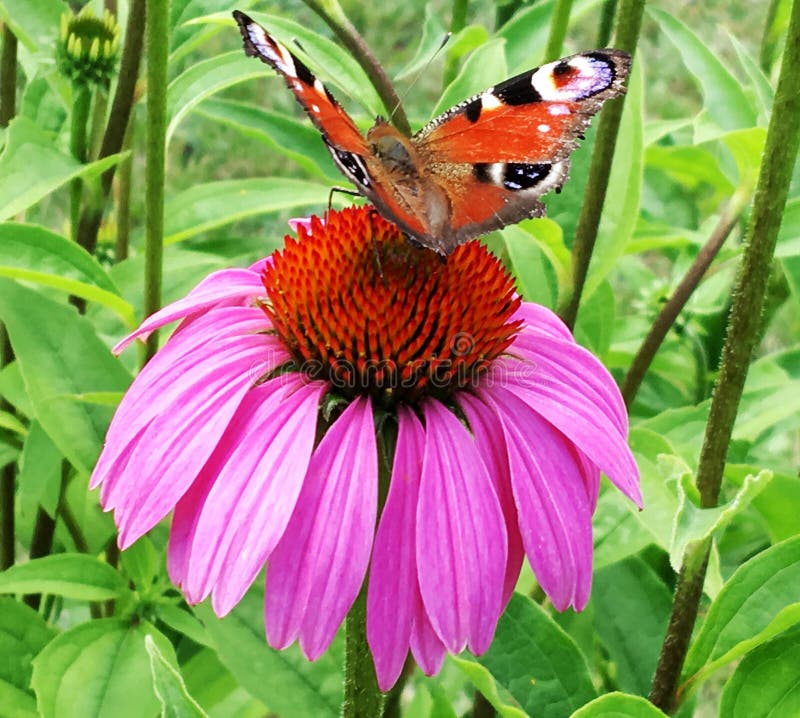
351,371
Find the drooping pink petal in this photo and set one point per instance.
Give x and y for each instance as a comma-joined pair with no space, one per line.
488,433
572,364
542,321
426,647
189,355
393,588
576,415
317,568
189,420
553,508
259,465
225,285
460,535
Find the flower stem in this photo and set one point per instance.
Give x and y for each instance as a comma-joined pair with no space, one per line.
629,23
362,698
157,29
81,106
331,12
558,30
117,119
766,56
124,200
606,22
8,77
670,311
780,151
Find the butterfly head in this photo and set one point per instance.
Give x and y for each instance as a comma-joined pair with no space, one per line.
392,148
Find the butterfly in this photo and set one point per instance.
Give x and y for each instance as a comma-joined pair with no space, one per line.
479,166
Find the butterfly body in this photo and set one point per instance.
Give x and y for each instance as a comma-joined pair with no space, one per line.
477,167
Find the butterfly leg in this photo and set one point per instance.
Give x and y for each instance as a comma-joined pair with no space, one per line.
341,190
376,251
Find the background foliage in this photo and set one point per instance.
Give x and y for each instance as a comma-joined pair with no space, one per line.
82,629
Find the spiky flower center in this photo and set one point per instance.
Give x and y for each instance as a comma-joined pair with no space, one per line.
359,306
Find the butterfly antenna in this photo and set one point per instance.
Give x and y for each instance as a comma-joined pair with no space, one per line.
419,74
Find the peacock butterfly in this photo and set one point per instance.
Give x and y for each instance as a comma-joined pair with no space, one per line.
481,165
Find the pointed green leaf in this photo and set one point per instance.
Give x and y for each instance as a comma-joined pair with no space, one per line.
71,575
619,705
169,686
23,633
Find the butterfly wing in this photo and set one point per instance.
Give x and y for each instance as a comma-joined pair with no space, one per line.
510,144
338,130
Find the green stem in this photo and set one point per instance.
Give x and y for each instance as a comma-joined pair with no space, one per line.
457,21
670,311
81,106
627,34
118,119
124,200
8,475
155,164
606,23
558,30
8,77
780,152
766,55
362,698
331,12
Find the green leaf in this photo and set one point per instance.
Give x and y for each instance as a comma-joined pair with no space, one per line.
696,524
765,684
34,22
760,600
618,533
632,606
789,233
284,680
535,275
537,662
169,686
430,40
31,167
37,255
60,356
208,206
489,686
725,100
23,633
203,79
619,705
39,478
141,563
296,139
71,575
16,703
99,669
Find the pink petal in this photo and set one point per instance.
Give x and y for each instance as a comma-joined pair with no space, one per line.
488,433
191,353
223,286
259,466
189,419
572,364
426,647
393,588
554,513
576,415
542,321
318,567
460,535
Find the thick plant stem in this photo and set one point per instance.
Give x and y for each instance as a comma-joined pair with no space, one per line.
81,105
627,34
606,22
8,77
362,697
124,200
670,311
155,164
118,117
780,152
558,30
331,12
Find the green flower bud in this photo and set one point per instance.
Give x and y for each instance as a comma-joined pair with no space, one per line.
88,47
